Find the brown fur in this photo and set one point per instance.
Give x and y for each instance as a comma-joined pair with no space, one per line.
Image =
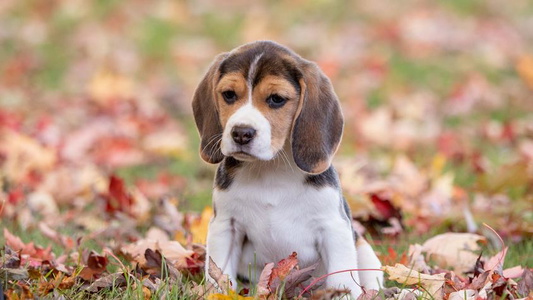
311,118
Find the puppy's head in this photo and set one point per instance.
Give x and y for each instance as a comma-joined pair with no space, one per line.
259,96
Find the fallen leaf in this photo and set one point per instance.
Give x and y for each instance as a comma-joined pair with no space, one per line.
199,227
264,279
514,272
23,155
403,275
232,295
525,285
107,86
496,262
284,267
172,250
455,250
463,295
416,259
369,295
7,274
95,266
221,279
294,281
118,199
524,66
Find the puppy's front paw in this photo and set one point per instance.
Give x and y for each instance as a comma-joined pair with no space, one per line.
345,281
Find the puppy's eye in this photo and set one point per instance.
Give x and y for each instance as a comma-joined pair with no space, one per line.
229,96
275,101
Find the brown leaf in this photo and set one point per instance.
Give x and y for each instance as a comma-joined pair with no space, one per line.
11,258
109,281
370,295
295,279
95,266
221,279
525,285
157,265
283,267
13,274
264,279
171,250
480,281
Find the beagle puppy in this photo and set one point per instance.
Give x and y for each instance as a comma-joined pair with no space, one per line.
272,122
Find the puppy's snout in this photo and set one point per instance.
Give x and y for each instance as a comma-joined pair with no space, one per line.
242,135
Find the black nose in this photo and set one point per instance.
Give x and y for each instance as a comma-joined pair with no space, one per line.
242,135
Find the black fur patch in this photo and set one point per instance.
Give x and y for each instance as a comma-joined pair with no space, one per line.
328,177
226,172
271,63
349,216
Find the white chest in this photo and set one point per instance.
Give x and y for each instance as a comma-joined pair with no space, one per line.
279,213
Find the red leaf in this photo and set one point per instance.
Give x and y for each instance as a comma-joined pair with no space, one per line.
95,266
385,207
284,267
118,199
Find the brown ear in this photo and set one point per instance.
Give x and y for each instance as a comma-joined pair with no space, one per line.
317,130
206,114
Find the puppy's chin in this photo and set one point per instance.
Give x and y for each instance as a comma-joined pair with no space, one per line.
243,156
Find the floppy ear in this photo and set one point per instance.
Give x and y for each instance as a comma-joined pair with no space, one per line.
318,127
206,114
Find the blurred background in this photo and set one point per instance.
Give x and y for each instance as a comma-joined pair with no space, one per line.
96,128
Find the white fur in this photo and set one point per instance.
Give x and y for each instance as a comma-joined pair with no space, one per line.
260,146
270,204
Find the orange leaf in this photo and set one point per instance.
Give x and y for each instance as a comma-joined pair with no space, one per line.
199,227
524,67
284,267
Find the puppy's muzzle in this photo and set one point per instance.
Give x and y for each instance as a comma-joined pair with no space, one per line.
242,135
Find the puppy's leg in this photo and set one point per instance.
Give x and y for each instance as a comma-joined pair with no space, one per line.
224,243
338,253
367,259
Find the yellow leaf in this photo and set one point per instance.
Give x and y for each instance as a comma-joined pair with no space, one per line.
524,66
24,154
432,284
231,296
199,227
107,85
437,164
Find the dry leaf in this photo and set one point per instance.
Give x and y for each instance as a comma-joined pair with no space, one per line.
496,262
403,275
455,250
199,227
264,279
221,279
524,66
172,250
463,295
284,267
230,296
108,281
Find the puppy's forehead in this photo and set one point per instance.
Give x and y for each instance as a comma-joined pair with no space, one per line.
258,60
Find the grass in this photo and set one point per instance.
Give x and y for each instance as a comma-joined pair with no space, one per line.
518,254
